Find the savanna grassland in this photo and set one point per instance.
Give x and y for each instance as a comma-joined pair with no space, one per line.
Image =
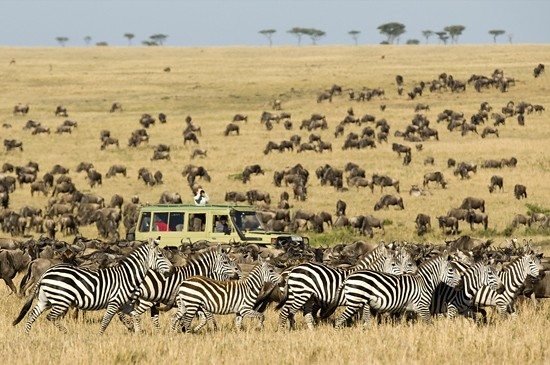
211,85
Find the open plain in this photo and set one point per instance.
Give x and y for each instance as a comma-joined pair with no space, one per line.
213,84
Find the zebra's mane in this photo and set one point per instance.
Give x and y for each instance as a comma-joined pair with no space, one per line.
201,256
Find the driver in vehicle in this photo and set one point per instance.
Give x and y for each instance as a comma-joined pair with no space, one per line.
222,226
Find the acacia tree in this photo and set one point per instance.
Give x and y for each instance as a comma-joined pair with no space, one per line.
298,33
427,34
495,33
392,31
268,33
129,36
87,40
314,34
62,40
443,37
354,35
413,41
454,31
159,38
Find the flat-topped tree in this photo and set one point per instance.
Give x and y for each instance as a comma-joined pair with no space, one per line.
354,35
298,33
159,38
427,34
495,33
454,31
62,40
268,33
392,31
443,37
87,40
129,36
314,34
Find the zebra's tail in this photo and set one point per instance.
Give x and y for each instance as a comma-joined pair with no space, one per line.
284,298
25,279
26,307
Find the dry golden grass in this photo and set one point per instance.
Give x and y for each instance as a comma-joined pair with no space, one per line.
212,84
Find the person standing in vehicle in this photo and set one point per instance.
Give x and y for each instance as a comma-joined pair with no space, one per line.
201,198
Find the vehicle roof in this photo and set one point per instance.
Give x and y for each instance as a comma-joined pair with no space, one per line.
192,207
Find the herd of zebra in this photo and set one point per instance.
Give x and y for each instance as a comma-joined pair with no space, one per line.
386,280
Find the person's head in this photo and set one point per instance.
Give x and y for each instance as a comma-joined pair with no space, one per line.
223,219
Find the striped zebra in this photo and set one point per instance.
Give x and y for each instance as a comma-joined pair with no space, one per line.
477,276
63,286
223,297
312,285
443,293
513,277
383,292
157,289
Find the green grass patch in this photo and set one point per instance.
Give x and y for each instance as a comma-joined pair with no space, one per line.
334,237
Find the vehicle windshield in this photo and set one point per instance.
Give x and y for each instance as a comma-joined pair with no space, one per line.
246,221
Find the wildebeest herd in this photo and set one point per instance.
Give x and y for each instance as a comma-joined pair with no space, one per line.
347,267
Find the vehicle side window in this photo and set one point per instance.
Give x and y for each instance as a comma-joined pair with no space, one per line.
160,222
145,223
196,222
221,224
176,221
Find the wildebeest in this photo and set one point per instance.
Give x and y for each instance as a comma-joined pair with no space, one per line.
423,223
197,152
473,203
496,181
147,177
168,197
162,118
520,191
84,166
477,218
436,177
20,109
231,127
160,155
257,195
115,107
11,144
108,141
60,110
240,117
191,137
94,178
399,148
341,207
537,71
448,222
116,169
146,120
11,263
384,181
521,219
387,200
489,130
39,186
234,196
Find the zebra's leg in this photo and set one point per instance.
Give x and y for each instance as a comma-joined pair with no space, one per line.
249,312
423,312
40,307
155,317
55,315
112,309
127,322
292,305
348,312
308,309
203,320
366,316
189,314
177,317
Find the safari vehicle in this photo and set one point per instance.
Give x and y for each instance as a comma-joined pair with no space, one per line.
178,224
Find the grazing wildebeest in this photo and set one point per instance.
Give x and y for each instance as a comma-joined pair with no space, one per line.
325,95
436,177
20,109
11,144
231,127
61,111
387,200
107,141
160,155
257,195
473,203
496,181
115,107
448,222
168,197
341,207
197,152
116,169
240,117
423,223
94,178
384,181
63,129
234,196
191,137
40,130
162,118
521,219
537,71
39,186
399,148
84,166
146,120
489,130
477,218
147,177
520,191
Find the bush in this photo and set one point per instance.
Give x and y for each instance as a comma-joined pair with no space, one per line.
535,208
334,237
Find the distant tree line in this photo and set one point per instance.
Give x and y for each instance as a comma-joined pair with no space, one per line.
391,31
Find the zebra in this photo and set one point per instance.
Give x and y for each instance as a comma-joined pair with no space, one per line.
443,293
396,293
475,277
157,289
312,284
513,278
223,297
63,286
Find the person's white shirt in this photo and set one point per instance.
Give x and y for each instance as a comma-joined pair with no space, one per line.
201,198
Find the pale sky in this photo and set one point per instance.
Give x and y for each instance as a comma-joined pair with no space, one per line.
237,22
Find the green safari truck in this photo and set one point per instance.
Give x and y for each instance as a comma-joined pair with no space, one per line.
178,224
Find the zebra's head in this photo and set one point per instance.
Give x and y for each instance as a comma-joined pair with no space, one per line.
493,279
224,268
407,263
449,273
533,266
392,264
156,260
482,274
267,272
